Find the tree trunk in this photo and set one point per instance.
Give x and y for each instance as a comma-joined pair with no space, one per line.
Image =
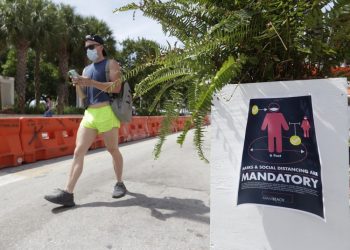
62,97
37,78
21,70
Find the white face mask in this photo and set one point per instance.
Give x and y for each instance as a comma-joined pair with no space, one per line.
92,54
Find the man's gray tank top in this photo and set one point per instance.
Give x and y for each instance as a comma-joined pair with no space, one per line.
96,71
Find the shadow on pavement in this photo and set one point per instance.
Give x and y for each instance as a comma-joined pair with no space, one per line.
192,209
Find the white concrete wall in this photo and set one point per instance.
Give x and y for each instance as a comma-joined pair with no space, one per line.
349,118
255,227
7,85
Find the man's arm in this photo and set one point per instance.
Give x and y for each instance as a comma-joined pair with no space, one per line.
115,76
115,79
79,89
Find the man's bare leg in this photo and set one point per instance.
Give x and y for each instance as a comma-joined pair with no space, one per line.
111,142
85,137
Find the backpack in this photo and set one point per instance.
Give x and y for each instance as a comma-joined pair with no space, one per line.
121,102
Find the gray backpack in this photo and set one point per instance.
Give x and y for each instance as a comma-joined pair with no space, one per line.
121,102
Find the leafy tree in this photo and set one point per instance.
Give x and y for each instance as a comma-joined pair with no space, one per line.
18,25
227,41
68,25
137,53
8,68
42,38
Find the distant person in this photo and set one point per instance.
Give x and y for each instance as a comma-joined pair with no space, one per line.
48,107
98,119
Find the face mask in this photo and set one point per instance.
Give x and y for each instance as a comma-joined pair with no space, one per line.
92,54
274,109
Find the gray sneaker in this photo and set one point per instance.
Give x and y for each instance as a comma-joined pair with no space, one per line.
119,190
61,197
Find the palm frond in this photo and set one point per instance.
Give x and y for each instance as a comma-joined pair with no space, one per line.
159,76
130,6
181,138
165,87
171,106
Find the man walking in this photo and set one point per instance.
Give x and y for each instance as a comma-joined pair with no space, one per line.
98,119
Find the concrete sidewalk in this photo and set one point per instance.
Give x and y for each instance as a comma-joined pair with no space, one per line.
167,206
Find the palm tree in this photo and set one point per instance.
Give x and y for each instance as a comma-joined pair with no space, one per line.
3,45
17,22
43,33
67,37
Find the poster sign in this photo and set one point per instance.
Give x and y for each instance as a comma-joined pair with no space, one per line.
280,161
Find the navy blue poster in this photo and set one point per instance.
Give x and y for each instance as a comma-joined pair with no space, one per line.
280,161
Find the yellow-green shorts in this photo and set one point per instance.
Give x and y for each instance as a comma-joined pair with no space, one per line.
102,119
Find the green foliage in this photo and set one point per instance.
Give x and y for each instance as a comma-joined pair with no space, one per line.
49,75
72,110
236,42
35,111
9,66
171,106
136,58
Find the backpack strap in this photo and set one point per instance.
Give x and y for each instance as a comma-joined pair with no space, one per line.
107,70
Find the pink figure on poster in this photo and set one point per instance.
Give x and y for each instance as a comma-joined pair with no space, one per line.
274,121
305,125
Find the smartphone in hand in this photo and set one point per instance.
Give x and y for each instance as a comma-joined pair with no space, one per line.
73,74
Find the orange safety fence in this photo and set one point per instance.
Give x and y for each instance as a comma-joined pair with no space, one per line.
153,125
11,153
46,138
123,133
137,128
207,120
31,139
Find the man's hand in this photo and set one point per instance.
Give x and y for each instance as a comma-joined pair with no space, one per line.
83,81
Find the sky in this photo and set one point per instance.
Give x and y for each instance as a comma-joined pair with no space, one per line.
122,23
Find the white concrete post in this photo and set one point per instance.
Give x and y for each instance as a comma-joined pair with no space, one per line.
7,85
261,227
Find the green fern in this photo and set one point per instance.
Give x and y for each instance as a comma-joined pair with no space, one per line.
181,138
171,106
159,76
235,42
166,86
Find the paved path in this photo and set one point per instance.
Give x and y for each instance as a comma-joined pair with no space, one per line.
167,206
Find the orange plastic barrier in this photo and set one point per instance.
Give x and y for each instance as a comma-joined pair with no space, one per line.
32,139
137,128
207,120
123,133
11,153
46,138
180,123
153,125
